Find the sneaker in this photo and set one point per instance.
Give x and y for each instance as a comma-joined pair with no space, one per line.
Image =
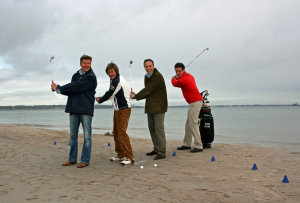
127,161
183,148
115,158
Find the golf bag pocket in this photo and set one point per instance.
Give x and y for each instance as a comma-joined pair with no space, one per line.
207,128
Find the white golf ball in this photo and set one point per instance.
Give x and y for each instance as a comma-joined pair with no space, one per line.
142,167
155,165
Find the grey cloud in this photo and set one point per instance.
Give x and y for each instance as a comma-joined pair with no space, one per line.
253,44
23,22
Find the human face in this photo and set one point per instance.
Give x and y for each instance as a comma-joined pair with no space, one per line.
179,72
85,65
111,73
149,68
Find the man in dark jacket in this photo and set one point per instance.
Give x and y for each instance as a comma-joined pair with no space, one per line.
156,105
80,105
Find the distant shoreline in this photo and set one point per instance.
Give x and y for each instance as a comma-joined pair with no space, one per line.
46,107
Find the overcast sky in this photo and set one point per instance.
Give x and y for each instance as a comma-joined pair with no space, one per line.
253,57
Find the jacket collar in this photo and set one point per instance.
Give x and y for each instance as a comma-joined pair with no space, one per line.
149,75
184,74
81,73
117,76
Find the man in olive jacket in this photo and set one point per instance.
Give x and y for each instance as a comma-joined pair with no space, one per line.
156,105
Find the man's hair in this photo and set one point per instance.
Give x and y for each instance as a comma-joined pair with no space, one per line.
86,57
179,65
146,60
112,66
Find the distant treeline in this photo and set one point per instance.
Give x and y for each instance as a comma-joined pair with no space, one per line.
24,107
257,105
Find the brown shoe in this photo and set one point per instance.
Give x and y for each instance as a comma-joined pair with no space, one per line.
159,156
68,163
81,165
152,153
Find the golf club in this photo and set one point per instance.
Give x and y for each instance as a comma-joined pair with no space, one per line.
130,63
197,57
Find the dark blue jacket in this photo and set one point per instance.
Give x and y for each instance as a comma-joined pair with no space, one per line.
80,92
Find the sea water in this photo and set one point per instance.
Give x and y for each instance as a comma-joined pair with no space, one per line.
268,126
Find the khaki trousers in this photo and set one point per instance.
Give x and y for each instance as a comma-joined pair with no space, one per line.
122,141
157,131
192,127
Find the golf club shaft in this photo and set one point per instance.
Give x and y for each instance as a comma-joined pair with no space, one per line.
196,57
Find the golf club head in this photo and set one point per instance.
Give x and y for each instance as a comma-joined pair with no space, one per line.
204,93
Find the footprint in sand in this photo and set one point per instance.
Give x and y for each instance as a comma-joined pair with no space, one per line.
165,174
93,182
35,197
63,196
201,189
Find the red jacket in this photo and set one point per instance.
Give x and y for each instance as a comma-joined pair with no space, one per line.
188,86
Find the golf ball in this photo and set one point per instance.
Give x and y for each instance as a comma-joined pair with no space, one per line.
155,165
142,167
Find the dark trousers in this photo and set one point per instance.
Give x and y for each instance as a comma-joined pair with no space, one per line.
157,131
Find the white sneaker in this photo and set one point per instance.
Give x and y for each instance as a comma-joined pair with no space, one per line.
115,158
127,161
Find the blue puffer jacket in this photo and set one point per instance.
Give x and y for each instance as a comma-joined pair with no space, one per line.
80,92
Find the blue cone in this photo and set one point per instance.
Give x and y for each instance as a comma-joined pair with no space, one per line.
213,158
285,179
254,167
54,143
174,153
108,144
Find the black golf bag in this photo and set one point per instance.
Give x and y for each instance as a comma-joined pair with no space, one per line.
206,122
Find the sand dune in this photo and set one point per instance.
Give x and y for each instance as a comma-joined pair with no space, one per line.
30,170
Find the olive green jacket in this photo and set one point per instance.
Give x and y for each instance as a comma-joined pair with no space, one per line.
155,92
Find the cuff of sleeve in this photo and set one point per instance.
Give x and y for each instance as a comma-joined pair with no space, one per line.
58,89
100,100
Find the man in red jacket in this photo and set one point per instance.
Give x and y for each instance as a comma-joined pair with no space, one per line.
187,83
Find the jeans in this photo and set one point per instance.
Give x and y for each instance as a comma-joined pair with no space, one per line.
86,122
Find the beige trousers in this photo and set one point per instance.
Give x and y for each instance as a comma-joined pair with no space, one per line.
192,127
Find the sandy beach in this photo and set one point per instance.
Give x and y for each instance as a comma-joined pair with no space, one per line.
30,170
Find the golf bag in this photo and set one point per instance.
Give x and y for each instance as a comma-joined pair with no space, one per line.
206,122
